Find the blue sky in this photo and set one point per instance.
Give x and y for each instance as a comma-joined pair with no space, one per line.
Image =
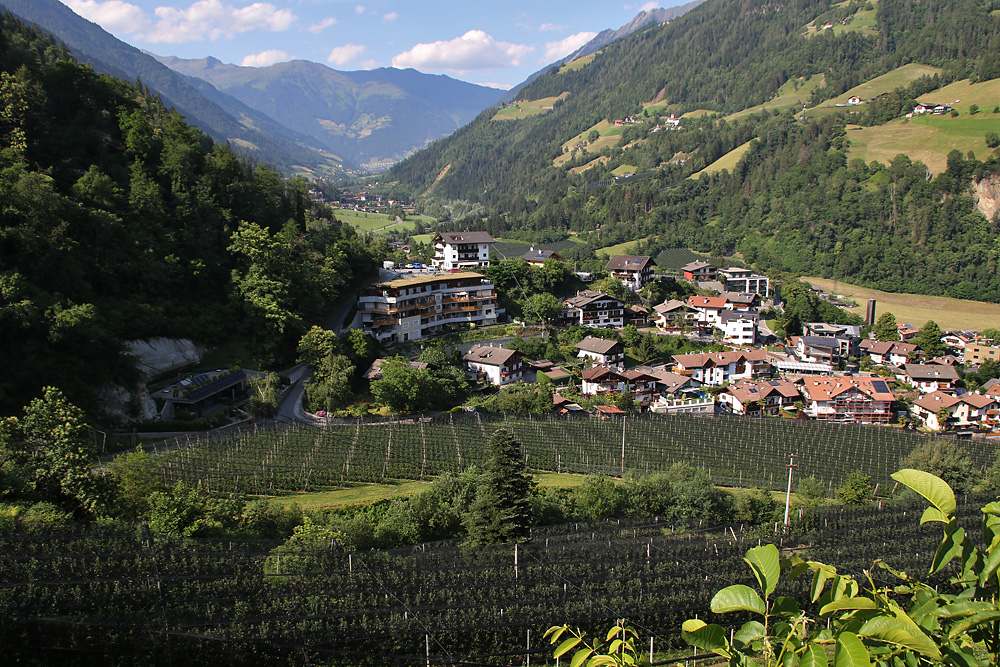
497,42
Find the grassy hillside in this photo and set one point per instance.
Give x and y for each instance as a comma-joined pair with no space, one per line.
793,94
727,161
918,308
926,138
528,108
899,77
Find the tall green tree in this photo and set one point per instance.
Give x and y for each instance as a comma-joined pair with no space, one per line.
929,340
501,512
885,328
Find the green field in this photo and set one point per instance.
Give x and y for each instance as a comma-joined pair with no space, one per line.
528,108
927,138
963,94
359,494
727,161
609,137
579,63
916,309
593,163
375,222
862,21
899,77
620,248
794,93
624,169
698,113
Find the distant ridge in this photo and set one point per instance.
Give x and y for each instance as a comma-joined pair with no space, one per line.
220,116
369,117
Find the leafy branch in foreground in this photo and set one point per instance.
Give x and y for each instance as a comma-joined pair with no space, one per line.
860,622
621,646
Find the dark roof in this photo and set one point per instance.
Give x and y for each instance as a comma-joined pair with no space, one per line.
597,345
587,296
491,356
820,341
466,237
930,372
694,266
540,255
628,263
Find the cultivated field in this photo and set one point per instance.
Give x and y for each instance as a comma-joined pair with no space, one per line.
727,161
528,108
579,63
918,308
927,138
899,77
794,93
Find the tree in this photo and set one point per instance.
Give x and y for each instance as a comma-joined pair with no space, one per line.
886,328
929,339
136,477
545,307
264,395
501,512
856,490
316,345
973,109
52,446
593,136
947,460
992,139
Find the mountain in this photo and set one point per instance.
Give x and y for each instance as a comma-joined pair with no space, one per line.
367,117
605,37
222,117
799,192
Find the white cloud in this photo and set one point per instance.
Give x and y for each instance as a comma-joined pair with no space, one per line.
322,25
473,50
114,15
551,27
359,9
649,6
369,64
500,86
211,19
265,58
341,55
564,47
391,16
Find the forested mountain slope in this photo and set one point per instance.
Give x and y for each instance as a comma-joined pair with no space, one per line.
221,116
793,202
120,221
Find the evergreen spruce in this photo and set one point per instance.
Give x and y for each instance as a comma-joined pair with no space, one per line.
501,513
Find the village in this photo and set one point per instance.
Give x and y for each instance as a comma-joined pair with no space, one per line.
830,372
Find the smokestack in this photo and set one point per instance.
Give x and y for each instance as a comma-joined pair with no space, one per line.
870,313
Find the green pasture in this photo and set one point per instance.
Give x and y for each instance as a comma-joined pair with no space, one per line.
927,138
624,169
620,248
963,94
727,161
375,222
528,108
579,63
793,93
899,77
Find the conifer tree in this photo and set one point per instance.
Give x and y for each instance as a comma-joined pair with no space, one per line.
501,513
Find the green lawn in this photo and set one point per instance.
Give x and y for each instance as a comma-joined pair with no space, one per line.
899,77
918,308
624,169
358,494
727,161
527,108
579,63
621,248
375,222
794,93
927,138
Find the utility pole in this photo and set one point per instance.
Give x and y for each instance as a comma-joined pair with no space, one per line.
788,491
623,443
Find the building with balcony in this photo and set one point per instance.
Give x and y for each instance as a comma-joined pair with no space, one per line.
593,309
461,250
600,379
848,336
736,279
748,397
633,270
602,351
738,327
699,271
413,308
929,378
496,365
939,410
976,353
717,368
865,400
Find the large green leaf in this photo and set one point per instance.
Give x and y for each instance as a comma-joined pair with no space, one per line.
580,657
737,598
813,656
821,575
850,651
900,633
950,547
566,646
973,621
933,488
709,637
847,603
750,631
766,565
